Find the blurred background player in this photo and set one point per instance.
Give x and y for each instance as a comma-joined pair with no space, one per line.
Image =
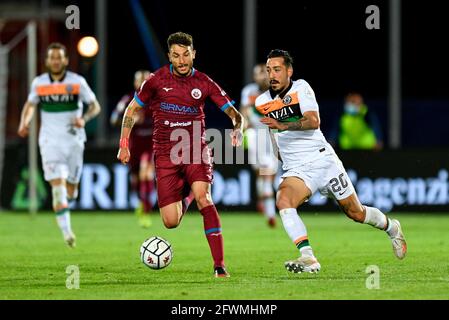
258,143
141,147
176,93
358,127
311,164
60,95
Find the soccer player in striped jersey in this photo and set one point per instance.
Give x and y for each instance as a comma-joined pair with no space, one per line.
291,112
60,94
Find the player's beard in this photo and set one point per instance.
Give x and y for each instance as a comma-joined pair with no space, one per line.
57,72
185,73
279,89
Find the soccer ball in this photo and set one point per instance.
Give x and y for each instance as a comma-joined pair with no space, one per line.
156,253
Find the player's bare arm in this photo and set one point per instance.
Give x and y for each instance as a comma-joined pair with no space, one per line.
309,121
238,122
127,125
245,110
25,119
93,110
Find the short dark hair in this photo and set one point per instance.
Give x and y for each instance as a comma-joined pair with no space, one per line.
278,53
180,38
58,46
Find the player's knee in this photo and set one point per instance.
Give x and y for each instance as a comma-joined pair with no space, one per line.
203,200
283,202
170,222
59,197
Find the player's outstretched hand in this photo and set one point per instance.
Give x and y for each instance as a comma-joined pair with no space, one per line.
123,155
236,137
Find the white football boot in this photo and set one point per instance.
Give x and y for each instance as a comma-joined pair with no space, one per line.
398,241
303,264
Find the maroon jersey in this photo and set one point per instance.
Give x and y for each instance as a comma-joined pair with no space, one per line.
178,103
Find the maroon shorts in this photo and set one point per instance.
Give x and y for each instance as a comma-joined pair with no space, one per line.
173,181
140,148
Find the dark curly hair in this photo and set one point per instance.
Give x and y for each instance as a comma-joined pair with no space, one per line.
180,38
278,53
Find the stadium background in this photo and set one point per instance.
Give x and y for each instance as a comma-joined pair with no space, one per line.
333,51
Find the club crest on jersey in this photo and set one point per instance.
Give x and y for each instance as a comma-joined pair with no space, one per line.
69,88
287,100
196,93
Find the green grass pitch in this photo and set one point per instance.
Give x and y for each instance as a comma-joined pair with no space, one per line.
33,259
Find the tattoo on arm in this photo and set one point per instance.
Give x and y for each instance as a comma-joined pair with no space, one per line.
128,122
295,125
305,123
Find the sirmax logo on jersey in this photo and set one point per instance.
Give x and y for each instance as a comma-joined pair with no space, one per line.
174,108
196,93
285,112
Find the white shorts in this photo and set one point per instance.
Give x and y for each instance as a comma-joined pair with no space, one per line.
63,160
260,151
327,175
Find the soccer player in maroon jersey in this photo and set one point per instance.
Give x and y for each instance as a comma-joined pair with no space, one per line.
141,147
176,94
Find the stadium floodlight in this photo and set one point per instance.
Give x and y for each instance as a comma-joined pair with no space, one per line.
88,47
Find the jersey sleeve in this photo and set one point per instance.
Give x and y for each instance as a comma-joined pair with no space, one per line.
219,96
258,104
307,98
86,94
145,93
33,97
